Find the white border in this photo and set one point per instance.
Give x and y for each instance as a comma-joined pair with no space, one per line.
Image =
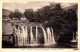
38,49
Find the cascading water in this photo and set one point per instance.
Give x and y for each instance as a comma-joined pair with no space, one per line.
49,36
31,35
24,38
74,39
36,33
53,40
45,35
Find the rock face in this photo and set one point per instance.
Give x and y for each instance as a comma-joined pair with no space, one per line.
7,28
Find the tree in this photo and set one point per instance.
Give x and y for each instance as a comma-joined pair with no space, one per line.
11,15
17,14
29,14
72,20
39,15
48,13
62,20
69,19
54,14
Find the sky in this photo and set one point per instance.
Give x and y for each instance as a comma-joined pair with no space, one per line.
22,6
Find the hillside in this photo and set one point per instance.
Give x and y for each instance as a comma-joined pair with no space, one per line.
5,13
74,7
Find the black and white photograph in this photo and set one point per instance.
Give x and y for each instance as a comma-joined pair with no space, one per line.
39,25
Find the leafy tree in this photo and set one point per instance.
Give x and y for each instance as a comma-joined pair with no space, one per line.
48,13
62,20
69,19
11,15
54,14
39,15
72,20
29,14
17,14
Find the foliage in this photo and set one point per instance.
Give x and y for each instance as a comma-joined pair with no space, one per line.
11,15
16,14
29,14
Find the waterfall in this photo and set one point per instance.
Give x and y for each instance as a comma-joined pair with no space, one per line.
73,38
15,35
53,40
45,35
22,37
26,37
36,33
31,35
50,36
